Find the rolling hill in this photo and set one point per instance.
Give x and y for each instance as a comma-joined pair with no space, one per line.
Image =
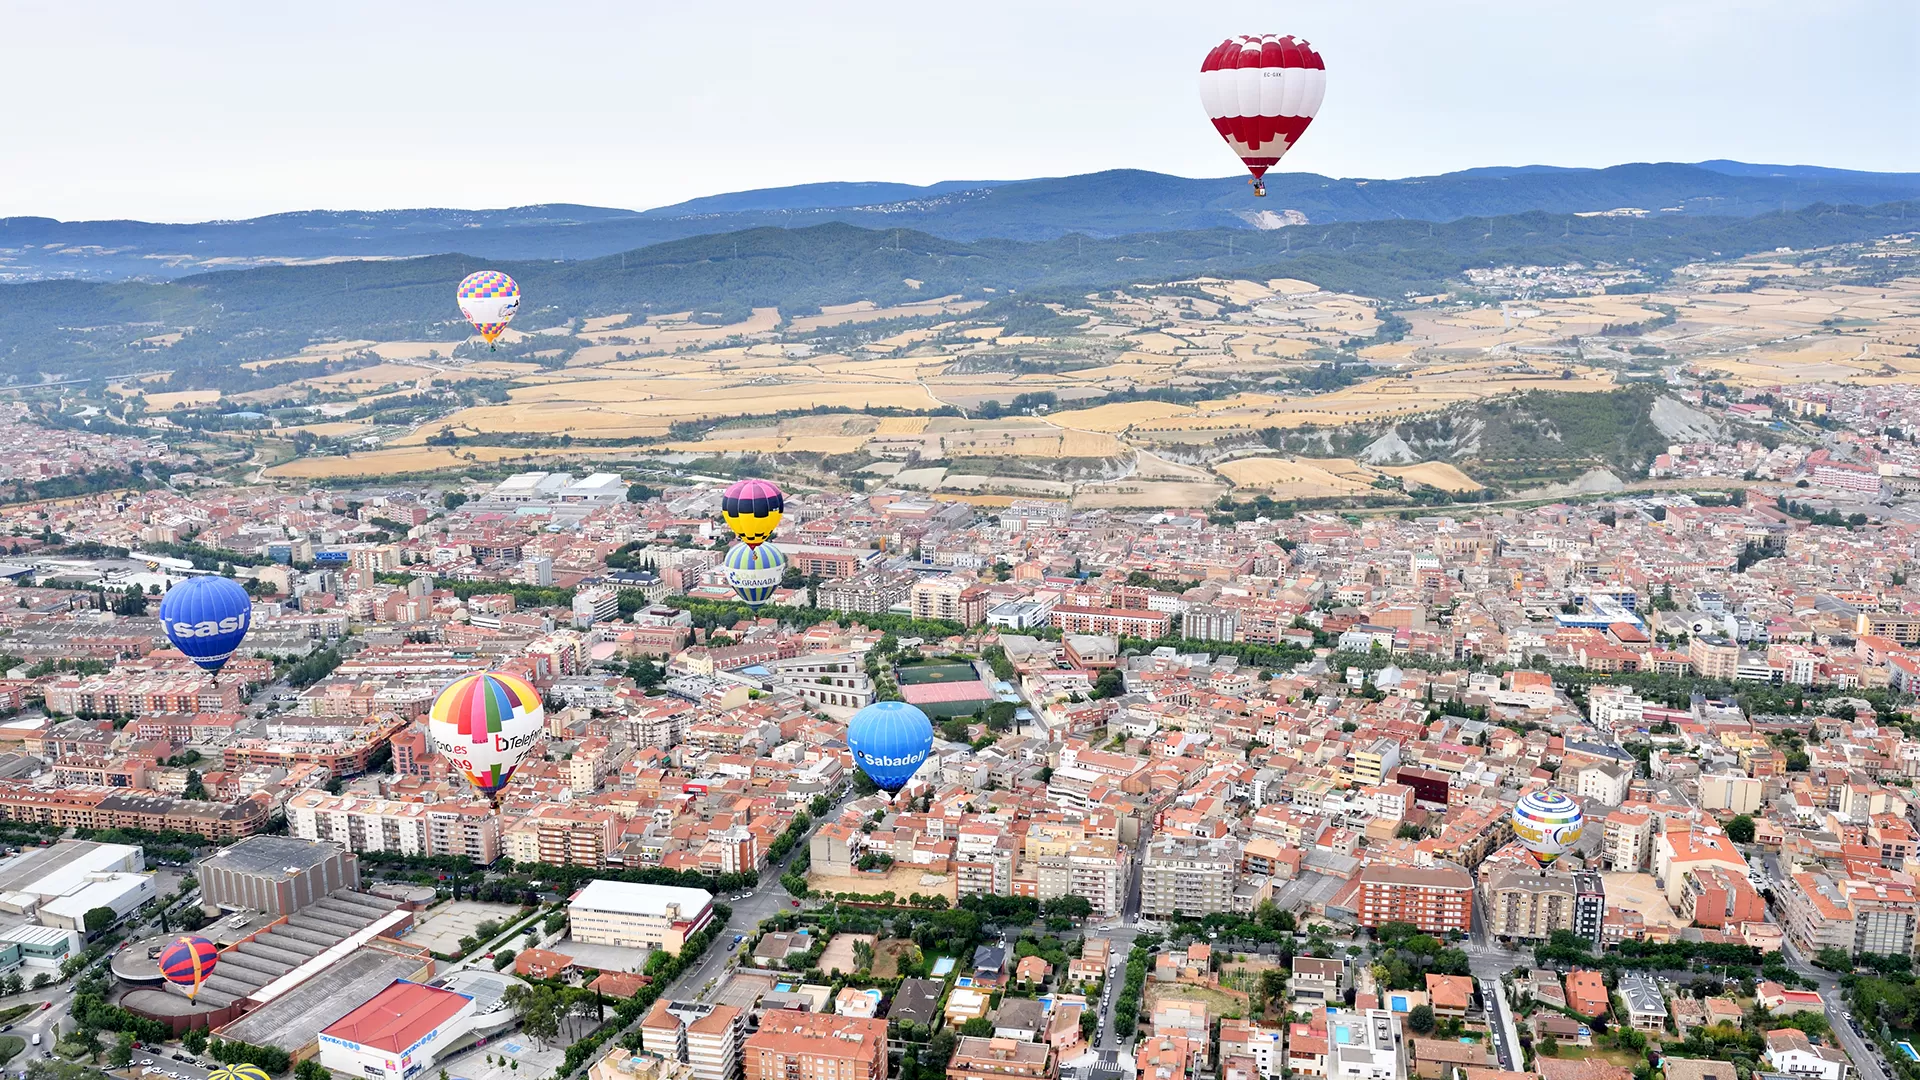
1109,204
86,328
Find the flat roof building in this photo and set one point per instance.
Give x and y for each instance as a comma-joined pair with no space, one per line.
277,875
638,916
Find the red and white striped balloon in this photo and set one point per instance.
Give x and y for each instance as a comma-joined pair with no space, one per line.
1261,93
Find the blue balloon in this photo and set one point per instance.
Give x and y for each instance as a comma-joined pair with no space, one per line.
205,617
889,740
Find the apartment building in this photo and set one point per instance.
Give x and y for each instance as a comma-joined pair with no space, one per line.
1069,859
1527,905
563,836
1876,914
1374,762
1118,622
1715,897
1188,876
134,808
867,593
949,598
1626,838
1435,899
706,1037
1589,905
810,1046
977,1058
1714,657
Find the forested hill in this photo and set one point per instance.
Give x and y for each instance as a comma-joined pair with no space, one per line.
73,327
1107,204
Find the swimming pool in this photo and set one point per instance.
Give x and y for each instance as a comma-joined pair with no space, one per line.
1907,1049
1342,1035
943,966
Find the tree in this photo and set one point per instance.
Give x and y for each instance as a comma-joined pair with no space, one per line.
1548,1046
196,787
195,1040
311,1069
502,959
121,1055
978,1028
1076,907
1420,1019
98,920
12,984
453,500
1109,684
1740,829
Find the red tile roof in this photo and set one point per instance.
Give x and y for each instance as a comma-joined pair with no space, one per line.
396,1018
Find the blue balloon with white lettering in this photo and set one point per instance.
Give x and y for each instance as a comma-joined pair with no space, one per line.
889,740
206,618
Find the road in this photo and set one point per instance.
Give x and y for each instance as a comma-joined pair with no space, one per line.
1865,1057
1488,962
766,900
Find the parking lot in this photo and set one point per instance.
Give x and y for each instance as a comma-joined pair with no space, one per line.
158,1065
445,925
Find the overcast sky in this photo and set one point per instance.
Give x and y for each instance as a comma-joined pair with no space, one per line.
188,111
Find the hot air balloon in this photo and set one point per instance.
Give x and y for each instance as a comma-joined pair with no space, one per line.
187,961
488,298
1261,93
752,509
1547,824
889,740
754,571
239,1072
206,618
484,725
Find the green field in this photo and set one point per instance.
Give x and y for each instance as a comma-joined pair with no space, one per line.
918,674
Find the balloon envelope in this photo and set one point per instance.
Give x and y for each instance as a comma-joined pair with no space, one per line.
752,510
239,1072
1547,824
889,740
187,961
754,571
488,298
206,618
484,725
1261,92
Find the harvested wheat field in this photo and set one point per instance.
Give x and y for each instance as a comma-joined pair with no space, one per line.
410,459
1296,479
778,444
1147,494
182,399
1120,416
1434,474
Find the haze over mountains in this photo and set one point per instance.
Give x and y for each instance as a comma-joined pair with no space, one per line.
1107,204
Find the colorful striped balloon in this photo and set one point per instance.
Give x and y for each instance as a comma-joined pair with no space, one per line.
239,1072
1548,824
752,509
187,961
488,299
484,725
754,571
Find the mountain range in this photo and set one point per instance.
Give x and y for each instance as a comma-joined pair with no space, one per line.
65,327
1100,205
